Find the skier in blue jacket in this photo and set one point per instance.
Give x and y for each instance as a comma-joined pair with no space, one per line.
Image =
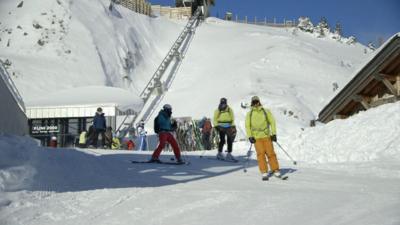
99,125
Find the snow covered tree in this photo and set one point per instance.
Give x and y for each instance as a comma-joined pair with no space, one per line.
351,40
324,23
305,24
319,31
338,29
338,32
322,28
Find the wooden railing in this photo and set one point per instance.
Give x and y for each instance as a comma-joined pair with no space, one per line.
172,12
264,21
139,6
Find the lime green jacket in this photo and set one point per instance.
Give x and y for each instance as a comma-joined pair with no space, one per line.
261,124
224,116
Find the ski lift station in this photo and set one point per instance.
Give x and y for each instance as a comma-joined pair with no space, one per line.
66,114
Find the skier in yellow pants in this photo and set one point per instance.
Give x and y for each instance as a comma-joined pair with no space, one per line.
261,131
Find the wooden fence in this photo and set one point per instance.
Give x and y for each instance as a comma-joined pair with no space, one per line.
172,12
264,21
139,6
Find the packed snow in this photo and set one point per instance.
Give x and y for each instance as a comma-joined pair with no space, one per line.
347,171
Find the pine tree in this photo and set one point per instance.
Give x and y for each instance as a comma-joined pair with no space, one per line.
338,32
338,29
305,24
324,23
322,29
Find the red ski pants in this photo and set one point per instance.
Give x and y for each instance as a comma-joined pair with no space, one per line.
166,137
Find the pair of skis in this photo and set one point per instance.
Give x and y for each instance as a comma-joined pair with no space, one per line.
224,160
160,162
184,163
282,177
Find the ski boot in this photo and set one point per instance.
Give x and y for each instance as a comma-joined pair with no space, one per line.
154,160
229,157
264,176
220,156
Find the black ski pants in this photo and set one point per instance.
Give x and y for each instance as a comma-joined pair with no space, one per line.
222,133
96,138
206,140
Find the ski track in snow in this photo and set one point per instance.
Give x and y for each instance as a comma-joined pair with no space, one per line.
224,194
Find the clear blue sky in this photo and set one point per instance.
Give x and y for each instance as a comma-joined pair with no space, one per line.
366,19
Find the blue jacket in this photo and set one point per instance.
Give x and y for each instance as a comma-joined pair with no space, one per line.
164,121
99,122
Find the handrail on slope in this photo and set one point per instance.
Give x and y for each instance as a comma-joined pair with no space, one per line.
11,86
173,51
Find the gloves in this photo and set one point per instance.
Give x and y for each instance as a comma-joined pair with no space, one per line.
252,140
273,138
174,125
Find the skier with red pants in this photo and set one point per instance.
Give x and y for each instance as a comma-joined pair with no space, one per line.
164,127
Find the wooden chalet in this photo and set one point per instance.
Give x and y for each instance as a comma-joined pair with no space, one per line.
377,83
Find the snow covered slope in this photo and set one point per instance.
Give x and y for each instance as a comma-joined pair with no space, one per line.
62,44
292,73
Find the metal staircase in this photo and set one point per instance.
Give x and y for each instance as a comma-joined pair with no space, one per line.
154,90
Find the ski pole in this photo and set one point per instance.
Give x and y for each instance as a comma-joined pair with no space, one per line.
294,161
202,154
246,163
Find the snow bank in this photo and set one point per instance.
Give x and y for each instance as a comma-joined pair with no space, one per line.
16,170
367,136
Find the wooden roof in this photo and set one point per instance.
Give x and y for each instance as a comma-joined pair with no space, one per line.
378,82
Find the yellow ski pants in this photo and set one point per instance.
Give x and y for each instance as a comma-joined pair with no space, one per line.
264,148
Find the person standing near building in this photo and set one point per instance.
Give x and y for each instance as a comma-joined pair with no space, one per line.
142,133
224,123
99,125
108,137
83,139
206,128
164,127
261,131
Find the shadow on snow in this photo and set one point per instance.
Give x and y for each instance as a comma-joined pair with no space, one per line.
69,170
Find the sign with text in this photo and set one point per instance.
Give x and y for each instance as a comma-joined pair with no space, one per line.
46,129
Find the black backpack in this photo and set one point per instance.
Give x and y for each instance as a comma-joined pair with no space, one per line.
156,125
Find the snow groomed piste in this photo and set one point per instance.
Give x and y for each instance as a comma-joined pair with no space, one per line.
346,172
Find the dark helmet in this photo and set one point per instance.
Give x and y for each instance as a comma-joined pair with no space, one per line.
167,107
99,109
222,104
223,101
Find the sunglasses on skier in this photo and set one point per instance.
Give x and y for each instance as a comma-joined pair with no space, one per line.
255,102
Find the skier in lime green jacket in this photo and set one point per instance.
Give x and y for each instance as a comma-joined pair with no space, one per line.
224,123
261,131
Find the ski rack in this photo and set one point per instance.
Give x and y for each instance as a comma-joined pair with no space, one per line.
177,51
